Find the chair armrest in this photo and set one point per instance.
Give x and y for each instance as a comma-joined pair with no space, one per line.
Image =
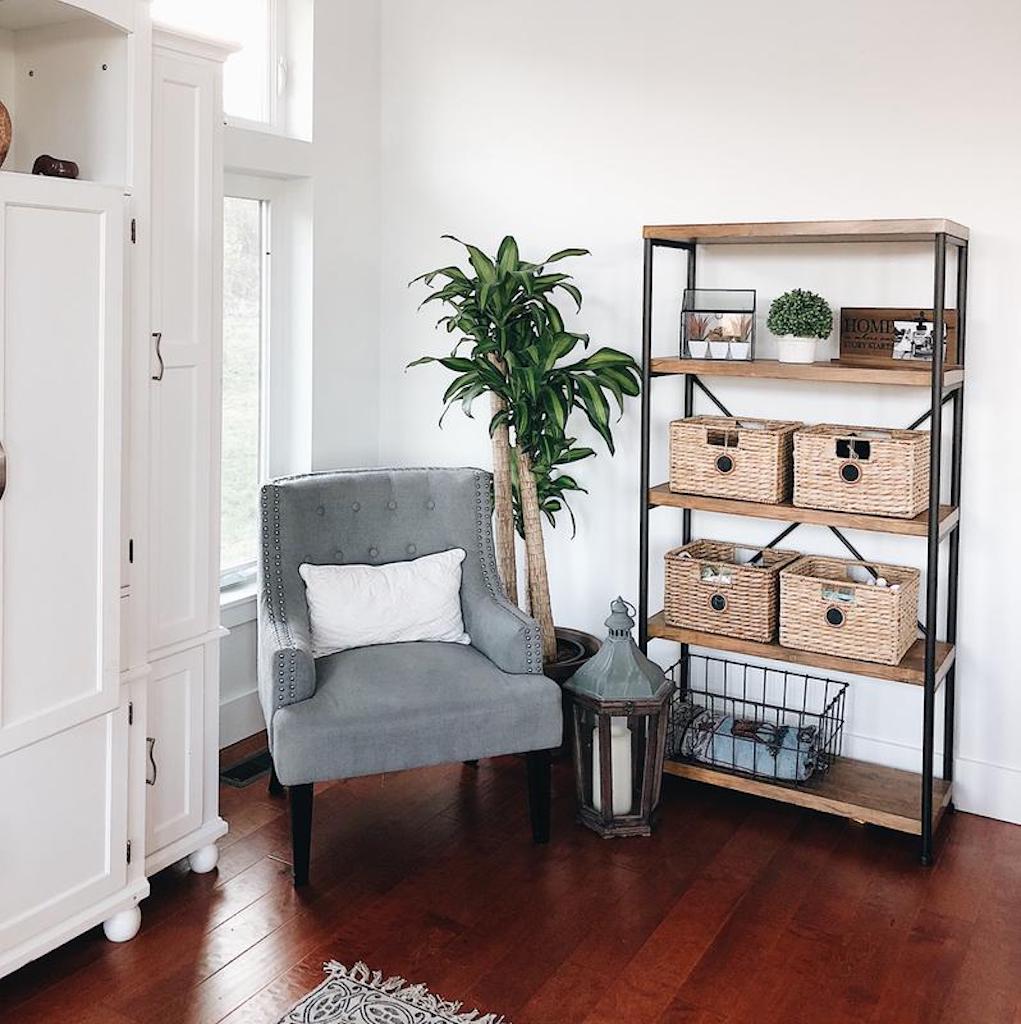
287,672
505,635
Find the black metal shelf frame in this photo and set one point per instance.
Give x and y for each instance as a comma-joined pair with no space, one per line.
939,396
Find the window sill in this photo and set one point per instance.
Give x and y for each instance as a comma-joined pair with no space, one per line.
250,151
238,605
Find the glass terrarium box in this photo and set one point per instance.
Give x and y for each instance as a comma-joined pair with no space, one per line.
718,323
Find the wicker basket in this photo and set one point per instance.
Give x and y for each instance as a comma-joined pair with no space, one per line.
745,459
717,588
858,469
827,606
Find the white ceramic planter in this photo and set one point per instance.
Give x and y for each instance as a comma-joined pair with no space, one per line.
698,349
796,350
740,350
719,349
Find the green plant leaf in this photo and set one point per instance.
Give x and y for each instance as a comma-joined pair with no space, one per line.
458,363
564,254
606,357
507,256
573,291
596,408
561,345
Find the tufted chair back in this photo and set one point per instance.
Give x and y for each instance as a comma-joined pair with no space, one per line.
371,517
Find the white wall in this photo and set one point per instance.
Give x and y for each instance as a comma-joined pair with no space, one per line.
577,122
346,276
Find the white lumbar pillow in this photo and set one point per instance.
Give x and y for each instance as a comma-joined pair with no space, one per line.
360,605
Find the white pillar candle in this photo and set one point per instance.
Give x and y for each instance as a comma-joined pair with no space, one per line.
620,766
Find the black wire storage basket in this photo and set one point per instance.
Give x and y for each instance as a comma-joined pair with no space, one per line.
766,723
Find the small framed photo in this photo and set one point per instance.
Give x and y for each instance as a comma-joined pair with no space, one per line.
878,337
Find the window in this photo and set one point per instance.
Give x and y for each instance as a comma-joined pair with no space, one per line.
245,327
254,78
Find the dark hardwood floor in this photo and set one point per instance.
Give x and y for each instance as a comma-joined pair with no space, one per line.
737,911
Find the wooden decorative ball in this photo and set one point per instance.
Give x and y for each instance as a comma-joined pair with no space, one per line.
5,133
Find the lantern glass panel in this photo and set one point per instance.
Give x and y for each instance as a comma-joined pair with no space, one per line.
718,323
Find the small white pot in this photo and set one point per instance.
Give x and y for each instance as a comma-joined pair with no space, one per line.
698,349
796,350
740,350
719,349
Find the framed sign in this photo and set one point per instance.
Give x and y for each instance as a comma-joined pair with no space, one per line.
880,337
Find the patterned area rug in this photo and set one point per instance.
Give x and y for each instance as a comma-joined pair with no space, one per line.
361,996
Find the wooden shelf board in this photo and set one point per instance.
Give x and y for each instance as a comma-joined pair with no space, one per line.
833,371
808,231
910,670
852,789
788,513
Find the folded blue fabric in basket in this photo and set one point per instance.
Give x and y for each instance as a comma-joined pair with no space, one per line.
783,752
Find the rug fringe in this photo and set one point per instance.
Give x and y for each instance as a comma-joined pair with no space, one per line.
415,995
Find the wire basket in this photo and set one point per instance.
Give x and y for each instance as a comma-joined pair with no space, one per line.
784,727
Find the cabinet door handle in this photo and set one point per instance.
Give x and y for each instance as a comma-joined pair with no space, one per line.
158,338
3,471
150,778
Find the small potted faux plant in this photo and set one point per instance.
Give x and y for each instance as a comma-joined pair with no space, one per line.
698,327
738,329
719,344
799,319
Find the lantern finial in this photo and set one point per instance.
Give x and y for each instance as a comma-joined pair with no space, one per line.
620,623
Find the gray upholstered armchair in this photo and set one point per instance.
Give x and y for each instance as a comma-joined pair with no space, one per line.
394,706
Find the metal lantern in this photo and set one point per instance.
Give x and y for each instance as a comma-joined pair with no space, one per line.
619,716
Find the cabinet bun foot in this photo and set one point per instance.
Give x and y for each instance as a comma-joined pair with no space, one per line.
204,859
124,926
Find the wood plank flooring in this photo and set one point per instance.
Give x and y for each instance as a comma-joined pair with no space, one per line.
736,911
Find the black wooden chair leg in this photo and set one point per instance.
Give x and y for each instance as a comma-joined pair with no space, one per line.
540,783
301,830
275,787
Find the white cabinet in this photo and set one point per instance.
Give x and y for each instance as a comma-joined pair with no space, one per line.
63,717
109,516
184,451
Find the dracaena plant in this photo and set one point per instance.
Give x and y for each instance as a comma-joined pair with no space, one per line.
511,343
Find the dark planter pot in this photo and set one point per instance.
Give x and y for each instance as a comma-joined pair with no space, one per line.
574,648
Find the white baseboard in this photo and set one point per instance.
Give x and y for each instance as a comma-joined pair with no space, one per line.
240,717
980,787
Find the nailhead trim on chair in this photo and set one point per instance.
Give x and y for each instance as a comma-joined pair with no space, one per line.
491,575
274,581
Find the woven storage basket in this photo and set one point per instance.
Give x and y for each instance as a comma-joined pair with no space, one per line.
712,586
824,607
746,459
858,469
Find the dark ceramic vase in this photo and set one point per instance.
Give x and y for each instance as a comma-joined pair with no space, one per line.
574,648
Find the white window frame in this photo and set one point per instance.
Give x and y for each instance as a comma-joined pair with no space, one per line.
259,189
276,74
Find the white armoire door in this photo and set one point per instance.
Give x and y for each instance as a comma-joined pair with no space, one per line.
174,754
63,725
186,218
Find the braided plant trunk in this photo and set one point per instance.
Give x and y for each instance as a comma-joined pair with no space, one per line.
538,581
503,505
